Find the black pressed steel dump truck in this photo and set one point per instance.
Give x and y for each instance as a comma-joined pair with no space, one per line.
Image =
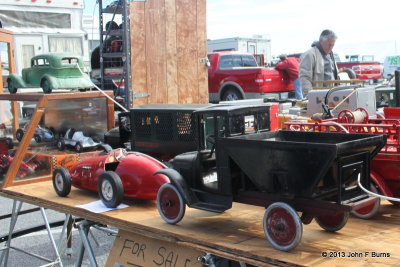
239,159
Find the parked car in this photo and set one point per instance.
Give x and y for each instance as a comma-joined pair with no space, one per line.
77,140
362,67
41,133
114,175
52,71
235,75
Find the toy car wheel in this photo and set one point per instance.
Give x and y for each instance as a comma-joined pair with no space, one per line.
78,147
170,204
231,95
333,223
372,209
282,226
11,86
19,134
60,145
110,188
10,143
53,131
37,138
45,84
62,181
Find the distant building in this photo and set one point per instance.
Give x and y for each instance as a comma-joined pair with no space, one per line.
258,45
44,26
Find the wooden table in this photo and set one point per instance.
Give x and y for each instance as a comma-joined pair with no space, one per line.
237,234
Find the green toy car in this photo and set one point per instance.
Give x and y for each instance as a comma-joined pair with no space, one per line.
52,71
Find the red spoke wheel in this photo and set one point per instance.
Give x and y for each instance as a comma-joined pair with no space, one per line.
333,223
371,209
170,204
346,116
282,226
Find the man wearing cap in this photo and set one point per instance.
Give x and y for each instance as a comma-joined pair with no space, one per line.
291,66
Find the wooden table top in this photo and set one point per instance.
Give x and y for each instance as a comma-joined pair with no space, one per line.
237,234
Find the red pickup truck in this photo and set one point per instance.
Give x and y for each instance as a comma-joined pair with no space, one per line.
236,75
364,67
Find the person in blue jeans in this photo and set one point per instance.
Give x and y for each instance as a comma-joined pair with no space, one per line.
291,66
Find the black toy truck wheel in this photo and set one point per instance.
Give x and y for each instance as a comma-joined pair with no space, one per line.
333,223
37,138
11,86
370,210
19,134
62,181
282,226
170,204
78,147
46,87
110,189
60,145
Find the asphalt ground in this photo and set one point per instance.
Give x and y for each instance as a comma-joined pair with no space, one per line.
39,243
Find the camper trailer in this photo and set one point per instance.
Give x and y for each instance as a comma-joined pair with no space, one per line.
44,26
259,46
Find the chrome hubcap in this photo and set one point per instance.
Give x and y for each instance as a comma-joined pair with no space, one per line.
106,190
59,182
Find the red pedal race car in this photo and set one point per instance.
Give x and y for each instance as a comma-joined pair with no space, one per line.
114,175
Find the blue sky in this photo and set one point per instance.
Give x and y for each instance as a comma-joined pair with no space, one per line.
363,27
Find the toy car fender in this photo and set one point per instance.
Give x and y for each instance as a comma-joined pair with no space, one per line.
17,80
180,183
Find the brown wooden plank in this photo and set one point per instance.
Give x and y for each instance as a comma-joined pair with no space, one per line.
237,233
171,52
7,37
202,70
156,51
23,147
187,51
54,96
138,51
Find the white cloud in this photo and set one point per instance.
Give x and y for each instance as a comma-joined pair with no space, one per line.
293,24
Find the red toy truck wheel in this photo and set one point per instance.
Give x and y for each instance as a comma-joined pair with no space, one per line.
170,204
282,226
333,223
371,210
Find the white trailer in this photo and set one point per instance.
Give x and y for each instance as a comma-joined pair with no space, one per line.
42,26
258,45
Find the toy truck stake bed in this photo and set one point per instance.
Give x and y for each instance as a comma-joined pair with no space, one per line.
241,160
